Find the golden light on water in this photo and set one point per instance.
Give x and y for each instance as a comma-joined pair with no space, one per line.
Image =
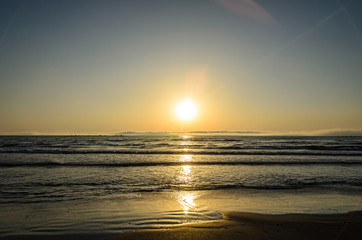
185,158
185,175
186,109
185,144
186,200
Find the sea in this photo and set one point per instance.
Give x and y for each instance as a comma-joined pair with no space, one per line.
94,187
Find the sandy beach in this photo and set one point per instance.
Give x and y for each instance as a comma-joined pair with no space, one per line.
241,225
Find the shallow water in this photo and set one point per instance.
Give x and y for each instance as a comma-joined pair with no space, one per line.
115,214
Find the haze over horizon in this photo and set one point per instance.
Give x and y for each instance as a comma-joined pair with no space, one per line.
280,66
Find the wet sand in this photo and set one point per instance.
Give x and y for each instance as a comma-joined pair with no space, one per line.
253,226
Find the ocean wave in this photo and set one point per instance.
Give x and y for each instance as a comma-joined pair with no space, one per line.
271,148
227,151
191,163
108,188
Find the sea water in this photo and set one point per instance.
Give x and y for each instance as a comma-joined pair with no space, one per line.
99,185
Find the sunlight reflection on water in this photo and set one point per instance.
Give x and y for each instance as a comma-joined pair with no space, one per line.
186,199
187,202
185,176
185,158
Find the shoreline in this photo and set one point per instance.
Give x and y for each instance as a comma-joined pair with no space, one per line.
244,225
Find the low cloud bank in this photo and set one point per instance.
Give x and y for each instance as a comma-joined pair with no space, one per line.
324,132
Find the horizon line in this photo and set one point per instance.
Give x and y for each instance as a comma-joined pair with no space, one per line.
322,132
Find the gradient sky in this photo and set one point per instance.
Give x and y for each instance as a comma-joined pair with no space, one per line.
107,66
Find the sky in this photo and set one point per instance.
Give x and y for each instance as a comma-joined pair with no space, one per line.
92,66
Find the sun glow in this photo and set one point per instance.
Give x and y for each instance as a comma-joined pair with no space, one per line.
186,109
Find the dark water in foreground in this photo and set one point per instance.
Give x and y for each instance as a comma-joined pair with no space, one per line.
52,185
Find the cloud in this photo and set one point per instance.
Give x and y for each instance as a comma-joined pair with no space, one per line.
323,132
339,132
248,8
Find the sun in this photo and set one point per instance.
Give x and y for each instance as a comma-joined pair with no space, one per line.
186,109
